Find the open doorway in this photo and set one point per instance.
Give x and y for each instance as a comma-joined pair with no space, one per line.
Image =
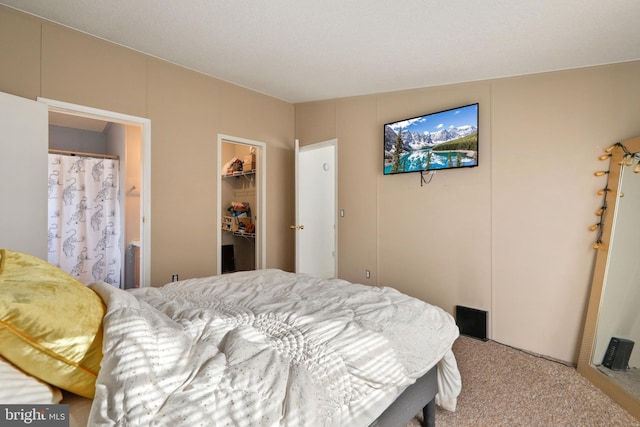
91,133
241,204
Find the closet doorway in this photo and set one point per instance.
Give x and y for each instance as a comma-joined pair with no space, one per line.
241,204
83,132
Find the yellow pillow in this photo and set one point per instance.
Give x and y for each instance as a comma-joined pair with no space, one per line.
50,323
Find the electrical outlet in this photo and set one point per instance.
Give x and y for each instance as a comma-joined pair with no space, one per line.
174,277
367,274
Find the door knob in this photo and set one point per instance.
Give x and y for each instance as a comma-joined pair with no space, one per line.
293,227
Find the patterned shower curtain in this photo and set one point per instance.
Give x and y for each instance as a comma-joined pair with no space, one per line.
84,217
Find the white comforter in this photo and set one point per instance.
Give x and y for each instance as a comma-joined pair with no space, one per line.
265,348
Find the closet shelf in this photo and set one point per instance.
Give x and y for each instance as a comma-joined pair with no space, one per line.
249,236
239,173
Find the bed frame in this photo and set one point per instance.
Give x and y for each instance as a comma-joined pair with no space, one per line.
419,395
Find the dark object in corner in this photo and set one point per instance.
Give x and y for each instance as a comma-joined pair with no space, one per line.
618,353
472,322
228,259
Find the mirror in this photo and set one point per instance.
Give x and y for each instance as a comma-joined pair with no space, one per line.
610,352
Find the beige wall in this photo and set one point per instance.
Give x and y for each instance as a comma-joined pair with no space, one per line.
187,111
133,179
560,122
510,236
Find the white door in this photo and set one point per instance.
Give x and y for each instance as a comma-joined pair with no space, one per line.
23,175
316,200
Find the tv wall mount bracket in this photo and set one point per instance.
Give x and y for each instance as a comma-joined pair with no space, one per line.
423,180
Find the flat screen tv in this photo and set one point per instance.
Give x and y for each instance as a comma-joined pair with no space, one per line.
443,140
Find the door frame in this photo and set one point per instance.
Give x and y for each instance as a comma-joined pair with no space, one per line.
261,197
301,150
145,192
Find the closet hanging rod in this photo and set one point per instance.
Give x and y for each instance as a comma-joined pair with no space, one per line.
77,153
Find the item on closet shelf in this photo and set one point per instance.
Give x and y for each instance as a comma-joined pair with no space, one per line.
234,165
235,223
249,162
227,222
250,228
240,209
240,216
240,223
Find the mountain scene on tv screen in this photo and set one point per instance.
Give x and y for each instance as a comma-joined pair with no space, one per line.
441,141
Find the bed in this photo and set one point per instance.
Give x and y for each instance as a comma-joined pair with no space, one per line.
264,347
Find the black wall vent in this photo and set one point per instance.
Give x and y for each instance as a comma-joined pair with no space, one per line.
472,322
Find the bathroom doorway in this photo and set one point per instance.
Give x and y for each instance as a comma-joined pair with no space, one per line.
127,138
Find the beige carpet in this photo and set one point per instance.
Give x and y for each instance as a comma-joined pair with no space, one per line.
502,386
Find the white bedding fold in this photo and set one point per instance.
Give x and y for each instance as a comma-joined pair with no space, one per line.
265,348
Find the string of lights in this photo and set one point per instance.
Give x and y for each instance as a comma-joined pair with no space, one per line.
628,159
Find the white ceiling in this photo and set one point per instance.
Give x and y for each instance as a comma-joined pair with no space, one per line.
305,50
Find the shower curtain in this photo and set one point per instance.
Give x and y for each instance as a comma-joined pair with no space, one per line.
84,217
